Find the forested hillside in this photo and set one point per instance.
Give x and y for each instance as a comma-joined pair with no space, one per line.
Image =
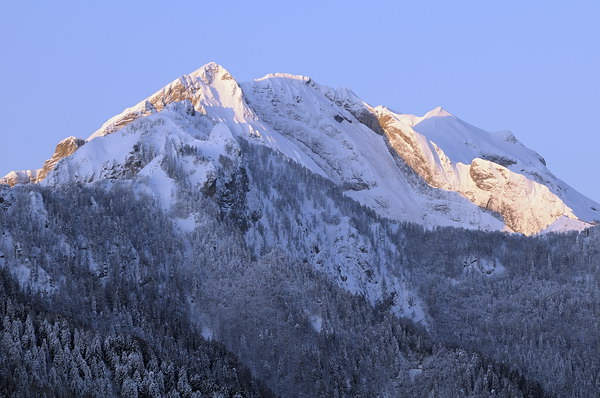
282,286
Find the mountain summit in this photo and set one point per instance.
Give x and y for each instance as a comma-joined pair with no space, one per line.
281,238
435,170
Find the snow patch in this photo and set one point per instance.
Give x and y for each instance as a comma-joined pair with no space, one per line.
316,322
206,333
564,224
37,280
414,372
159,183
483,266
186,224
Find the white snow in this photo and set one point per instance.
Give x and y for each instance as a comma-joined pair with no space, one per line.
316,322
179,134
351,154
284,76
206,333
494,171
483,266
414,372
312,125
462,143
186,224
316,126
19,177
564,224
159,183
23,273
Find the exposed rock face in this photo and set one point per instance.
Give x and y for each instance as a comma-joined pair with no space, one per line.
195,88
19,177
198,88
525,205
64,148
413,149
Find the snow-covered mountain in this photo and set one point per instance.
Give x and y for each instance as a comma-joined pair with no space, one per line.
434,170
221,235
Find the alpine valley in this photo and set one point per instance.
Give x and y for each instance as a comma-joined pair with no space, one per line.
282,238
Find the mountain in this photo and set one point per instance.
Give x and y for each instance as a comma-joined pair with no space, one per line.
281,238
434,170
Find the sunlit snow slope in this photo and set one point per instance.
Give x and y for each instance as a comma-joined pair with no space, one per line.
432,170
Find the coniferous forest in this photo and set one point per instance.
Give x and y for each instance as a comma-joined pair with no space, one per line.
285,287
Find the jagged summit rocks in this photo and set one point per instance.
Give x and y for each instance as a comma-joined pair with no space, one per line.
432,170
63,149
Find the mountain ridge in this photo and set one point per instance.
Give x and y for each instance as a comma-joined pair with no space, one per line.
464,176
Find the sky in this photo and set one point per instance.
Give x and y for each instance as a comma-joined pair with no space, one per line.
532,67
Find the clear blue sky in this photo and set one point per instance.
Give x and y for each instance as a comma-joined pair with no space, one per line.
527,66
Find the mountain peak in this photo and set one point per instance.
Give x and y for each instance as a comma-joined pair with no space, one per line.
434,169
210,72
438,111
413,120
210,87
